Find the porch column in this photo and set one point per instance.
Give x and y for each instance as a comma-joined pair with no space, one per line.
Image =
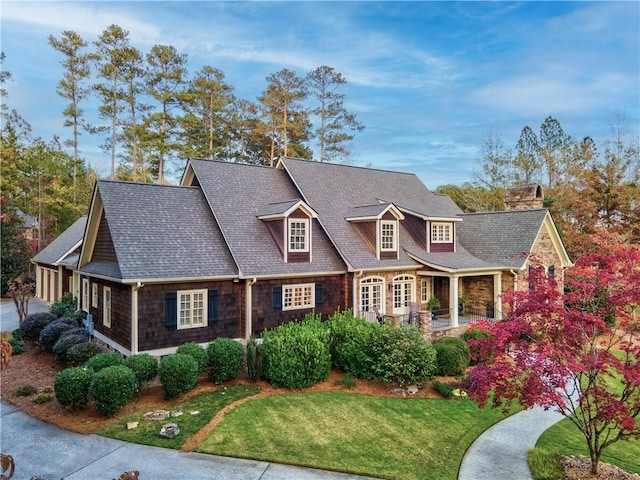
497,297
453,300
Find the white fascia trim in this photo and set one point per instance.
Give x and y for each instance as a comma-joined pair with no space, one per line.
299,204
294,275
395,211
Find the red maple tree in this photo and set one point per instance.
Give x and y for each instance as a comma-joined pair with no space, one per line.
576,350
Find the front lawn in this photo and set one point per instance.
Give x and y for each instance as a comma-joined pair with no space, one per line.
396,438
565,439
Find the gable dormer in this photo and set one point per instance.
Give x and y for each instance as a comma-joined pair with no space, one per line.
291,225
441,235
379,226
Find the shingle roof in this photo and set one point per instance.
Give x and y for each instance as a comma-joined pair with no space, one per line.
237,195
335,190
161,232
63,245
503,238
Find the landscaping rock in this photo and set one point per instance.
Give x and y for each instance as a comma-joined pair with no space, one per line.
176,414
156,415
169,430
412,389
195,412
132,425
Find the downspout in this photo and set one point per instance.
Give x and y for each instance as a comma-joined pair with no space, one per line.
134,317
355,291
249,308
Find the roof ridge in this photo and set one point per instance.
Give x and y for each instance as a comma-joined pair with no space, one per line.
333,164
129,182
504,211
227,162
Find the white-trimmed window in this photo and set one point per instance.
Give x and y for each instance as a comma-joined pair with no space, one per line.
388,235
85,294
441,233
298,234
94,295
371,289
106,306
425,290
192,308
298,296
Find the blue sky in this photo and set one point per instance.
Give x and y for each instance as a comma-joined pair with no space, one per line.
428,79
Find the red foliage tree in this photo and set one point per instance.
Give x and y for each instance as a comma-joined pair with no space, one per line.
576,351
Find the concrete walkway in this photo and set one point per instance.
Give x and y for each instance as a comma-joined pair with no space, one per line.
9,316
500,453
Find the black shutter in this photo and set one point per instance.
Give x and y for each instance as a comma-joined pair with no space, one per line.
277,298
319,293
212,307
171,311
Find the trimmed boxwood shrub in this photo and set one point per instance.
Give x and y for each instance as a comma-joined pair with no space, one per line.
79,353
178,374
297,354
225,357
452,360
104,360
144,367
112,388
71,387
51,332
198,353
255,360
456,342
33,324
66,341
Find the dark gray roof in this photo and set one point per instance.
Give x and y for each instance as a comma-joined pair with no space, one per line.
277,208
335,190
504,238
367,211
237,195
63,245
161,232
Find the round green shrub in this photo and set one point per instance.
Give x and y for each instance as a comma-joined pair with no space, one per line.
225,357
52,331
112,388
33,324
104,360
456,342
349,341
178,374
66,341
79,353
71,387
451,360
297,354
198,353
144,367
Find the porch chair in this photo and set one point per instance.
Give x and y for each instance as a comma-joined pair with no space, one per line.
414,314
379,316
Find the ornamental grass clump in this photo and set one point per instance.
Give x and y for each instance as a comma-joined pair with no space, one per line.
111,388
297,354
255,360
225,358
198,353
71,387
178,374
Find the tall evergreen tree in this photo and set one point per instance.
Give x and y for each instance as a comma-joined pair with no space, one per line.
526,163
73,86
333,118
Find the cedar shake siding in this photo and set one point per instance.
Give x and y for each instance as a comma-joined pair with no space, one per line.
120,330
226,321
267,309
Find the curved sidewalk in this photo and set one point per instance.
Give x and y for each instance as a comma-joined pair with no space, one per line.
39,448
500,453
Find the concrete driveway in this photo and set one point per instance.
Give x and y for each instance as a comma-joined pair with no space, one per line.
9,315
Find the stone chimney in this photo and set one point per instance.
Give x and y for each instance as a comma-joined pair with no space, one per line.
523,197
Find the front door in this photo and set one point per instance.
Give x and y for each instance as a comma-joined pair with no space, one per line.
441,291
403,293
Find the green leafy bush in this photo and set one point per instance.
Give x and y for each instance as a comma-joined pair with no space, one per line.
71,387
111,388
225,357
255,360
66,341
104,360
451,359
297,354
144,367
16,346
178,374
33,324
79,353
456,342
198,353
51,333
444,389
65,306
349,340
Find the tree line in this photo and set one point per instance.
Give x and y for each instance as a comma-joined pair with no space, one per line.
585,189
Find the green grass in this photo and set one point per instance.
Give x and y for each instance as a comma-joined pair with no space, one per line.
544,465
208,404
565,439
384,437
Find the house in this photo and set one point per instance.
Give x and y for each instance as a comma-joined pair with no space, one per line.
237,248
56,264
